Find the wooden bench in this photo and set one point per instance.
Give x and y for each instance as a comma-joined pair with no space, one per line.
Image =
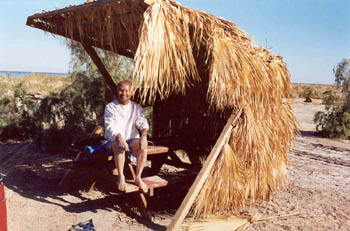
95,168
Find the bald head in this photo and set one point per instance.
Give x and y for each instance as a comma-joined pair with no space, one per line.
124,92
124,82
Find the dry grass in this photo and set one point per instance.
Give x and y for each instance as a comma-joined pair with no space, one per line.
35,84
317,90
232,223
215,223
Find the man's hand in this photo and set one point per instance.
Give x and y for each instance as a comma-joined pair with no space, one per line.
144,142
122,143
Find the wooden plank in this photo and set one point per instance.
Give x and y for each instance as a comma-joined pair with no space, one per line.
102,161
178,164
176,161
155,182
151,149
129,188
203,174
94,56
152,182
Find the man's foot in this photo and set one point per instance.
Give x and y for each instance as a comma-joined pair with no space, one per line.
141,185
121,183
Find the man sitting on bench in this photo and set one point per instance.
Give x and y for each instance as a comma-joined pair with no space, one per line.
123,119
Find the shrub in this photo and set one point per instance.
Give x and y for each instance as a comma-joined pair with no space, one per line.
335,121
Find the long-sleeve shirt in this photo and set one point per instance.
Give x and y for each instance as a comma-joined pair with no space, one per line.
124,119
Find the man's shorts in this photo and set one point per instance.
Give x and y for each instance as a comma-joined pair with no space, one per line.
129,153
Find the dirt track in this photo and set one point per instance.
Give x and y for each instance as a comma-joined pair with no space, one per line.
317,196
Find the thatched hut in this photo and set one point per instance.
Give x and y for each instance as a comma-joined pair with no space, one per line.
196,70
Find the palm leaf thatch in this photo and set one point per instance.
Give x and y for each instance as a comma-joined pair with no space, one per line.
170,40
209,67
241,75
108,24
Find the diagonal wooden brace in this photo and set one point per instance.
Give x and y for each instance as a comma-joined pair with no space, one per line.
96,59
203,174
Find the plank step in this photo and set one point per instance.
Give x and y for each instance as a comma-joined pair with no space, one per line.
151,149
152,182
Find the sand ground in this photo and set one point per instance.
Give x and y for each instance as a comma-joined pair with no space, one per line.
317,196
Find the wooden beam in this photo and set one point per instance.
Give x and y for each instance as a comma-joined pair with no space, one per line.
155,115
203,174
94,56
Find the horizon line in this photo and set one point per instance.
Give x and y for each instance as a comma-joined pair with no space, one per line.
36,72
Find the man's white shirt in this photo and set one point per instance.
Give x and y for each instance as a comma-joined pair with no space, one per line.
124,119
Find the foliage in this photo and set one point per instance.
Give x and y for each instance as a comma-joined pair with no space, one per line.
335,121
35,84
119,67
17,113
342,78
314,91
60,118
20,97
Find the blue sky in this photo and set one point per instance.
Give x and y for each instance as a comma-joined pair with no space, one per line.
311,35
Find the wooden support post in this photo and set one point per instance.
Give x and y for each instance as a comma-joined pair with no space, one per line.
154,120
94,56
92,182
203,174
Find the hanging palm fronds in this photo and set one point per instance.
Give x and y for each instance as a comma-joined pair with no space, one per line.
241,75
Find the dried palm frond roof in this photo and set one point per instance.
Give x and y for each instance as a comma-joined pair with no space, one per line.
108,24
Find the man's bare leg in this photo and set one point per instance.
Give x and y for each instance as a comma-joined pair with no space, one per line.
140,164
119,161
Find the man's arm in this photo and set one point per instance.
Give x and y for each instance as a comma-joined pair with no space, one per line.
141,121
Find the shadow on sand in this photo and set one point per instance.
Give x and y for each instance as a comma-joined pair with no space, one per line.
29,176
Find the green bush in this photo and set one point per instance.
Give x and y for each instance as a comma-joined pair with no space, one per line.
17,115
335,121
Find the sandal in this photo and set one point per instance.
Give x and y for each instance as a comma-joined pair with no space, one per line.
84,226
